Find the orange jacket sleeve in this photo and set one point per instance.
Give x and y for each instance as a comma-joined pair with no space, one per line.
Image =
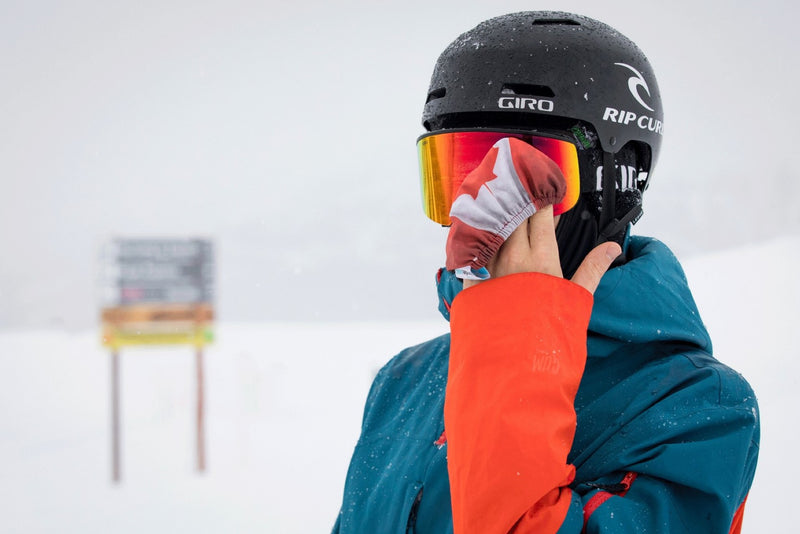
518,350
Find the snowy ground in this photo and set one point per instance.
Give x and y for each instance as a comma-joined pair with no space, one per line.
284,404
750,302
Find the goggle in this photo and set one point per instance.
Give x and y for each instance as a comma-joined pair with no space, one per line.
446,158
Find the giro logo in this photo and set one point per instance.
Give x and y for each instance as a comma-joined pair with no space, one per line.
524,102
634,83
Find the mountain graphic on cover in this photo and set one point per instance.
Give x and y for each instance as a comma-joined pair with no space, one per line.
513,181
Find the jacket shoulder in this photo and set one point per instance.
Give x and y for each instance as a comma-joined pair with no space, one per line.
729,388
413,377
684,422
417,359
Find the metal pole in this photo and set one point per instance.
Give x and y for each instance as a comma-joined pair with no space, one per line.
201,450
115,456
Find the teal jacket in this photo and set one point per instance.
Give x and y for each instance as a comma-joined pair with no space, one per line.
666,438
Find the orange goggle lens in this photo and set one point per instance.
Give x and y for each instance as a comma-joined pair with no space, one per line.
445,160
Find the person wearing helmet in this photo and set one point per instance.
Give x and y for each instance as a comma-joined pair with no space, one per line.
568,396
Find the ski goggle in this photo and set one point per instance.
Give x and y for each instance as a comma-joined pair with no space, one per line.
446,158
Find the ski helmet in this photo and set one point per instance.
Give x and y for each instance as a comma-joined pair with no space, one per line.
560,72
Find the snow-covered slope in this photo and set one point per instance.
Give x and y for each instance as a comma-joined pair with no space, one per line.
284,403
750,301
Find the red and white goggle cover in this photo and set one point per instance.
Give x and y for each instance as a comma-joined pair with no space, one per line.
446,158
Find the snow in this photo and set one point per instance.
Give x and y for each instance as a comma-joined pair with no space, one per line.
284,403
750,301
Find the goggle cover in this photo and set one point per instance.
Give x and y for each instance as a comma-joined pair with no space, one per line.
446,158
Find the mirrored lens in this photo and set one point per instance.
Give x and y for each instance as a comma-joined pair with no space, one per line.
447,158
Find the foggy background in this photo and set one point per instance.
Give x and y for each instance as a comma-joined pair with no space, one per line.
286,131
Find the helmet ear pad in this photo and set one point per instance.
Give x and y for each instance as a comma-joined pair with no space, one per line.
576,235
579,229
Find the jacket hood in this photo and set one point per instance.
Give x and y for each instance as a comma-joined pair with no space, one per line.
647,299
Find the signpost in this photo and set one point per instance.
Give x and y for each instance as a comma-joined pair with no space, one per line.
157,292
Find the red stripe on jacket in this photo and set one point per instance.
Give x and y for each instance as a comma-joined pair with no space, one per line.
602,496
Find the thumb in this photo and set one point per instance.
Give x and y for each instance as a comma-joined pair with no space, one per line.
595,265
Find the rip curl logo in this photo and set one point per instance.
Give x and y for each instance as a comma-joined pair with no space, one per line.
634,83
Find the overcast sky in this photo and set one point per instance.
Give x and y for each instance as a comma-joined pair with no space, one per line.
285,131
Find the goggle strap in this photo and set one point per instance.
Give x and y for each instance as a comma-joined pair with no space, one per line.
608,212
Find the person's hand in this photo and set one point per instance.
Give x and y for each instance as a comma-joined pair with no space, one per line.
532,247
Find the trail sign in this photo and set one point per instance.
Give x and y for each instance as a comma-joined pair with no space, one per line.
157,291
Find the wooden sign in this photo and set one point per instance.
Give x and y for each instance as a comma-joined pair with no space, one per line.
156,292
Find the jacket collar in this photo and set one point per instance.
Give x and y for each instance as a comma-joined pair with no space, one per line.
643,300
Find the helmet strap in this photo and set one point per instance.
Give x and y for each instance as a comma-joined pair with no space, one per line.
617,225
610,226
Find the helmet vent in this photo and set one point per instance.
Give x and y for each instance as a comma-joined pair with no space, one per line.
435,94
526,89
556,22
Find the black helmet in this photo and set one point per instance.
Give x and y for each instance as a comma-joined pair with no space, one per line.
555,71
